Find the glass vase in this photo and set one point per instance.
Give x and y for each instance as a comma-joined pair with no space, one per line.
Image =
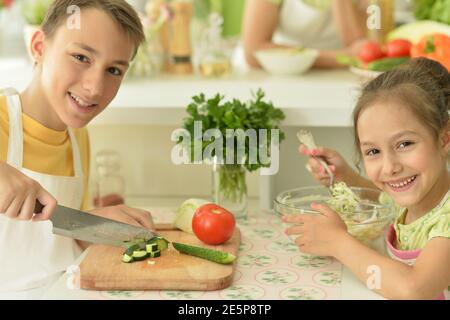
230,188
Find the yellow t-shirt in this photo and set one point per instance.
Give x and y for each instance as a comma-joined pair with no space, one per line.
46,150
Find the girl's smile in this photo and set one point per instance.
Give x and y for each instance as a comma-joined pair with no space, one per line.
401,185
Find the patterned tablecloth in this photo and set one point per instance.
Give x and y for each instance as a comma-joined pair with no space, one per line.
269,266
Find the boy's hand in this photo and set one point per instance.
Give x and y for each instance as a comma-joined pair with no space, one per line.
319,234
125,214
18,195
337,164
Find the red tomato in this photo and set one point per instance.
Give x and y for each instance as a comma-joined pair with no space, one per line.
7,3
371,51
399,48
213,224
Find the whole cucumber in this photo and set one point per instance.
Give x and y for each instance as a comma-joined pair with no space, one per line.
386,64
222,257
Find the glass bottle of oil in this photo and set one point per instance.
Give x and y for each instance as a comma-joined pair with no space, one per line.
381,19
214,60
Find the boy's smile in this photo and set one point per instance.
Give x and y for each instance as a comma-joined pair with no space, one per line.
81,69
402,156
80,104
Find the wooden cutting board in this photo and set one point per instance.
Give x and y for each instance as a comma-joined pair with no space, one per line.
102,268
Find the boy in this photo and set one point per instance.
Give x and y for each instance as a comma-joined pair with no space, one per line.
78,71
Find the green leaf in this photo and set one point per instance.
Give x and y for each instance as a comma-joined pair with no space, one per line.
199,99
34,11
422,9
214,112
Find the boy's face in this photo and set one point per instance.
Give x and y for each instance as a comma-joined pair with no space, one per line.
82,69
401,155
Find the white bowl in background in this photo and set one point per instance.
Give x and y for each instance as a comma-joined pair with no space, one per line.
286,61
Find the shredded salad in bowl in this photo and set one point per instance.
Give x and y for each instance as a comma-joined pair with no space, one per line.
366,212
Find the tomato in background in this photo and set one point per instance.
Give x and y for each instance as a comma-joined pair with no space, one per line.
6,3
371,51
213,224
398,48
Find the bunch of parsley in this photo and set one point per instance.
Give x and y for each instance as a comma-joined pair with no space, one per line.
222,115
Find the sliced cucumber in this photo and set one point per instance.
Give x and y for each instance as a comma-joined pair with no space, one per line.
162,243
155,254
205,253
128,254
140,249
139,255
131,249
127,259
151,247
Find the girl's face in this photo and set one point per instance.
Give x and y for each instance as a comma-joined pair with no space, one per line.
400,154
82,69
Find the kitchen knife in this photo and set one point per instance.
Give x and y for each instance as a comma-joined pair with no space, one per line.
83,226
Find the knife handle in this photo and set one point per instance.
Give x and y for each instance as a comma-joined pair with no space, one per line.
38,207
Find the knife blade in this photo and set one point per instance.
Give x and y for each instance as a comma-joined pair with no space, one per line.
83,226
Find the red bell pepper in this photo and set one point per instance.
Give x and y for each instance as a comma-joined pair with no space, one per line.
435,47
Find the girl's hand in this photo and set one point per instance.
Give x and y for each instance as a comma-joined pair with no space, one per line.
319,234
340,168
125,214
18,195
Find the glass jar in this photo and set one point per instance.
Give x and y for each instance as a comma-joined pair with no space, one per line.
229,187
214,58
149,59
110,185
386,15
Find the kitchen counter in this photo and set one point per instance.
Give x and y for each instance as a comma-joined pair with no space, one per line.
269,267
319,98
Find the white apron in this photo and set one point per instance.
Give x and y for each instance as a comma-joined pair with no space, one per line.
304,25
31,257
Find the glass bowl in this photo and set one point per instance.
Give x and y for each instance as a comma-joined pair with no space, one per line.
368,223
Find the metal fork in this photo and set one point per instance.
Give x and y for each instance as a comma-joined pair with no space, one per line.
328,170
325,166
306,138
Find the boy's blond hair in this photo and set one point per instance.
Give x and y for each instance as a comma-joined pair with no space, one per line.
119,10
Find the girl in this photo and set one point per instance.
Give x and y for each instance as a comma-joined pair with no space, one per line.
402,132
78,71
